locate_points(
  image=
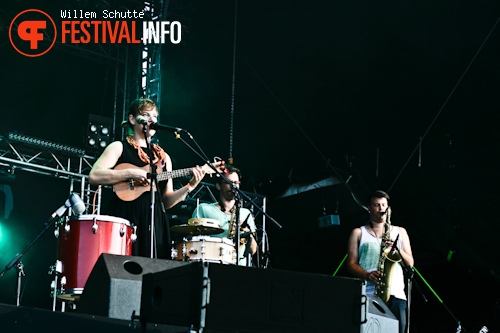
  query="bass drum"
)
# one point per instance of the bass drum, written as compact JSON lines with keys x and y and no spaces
{"x":82,"y":240}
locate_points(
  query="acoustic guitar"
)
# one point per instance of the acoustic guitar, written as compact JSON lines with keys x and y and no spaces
{"x":130,"y":190}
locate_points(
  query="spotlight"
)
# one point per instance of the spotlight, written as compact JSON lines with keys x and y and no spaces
{"x":98,"y":132}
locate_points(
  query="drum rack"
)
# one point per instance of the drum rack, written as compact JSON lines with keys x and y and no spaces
{"x":21,"y":152}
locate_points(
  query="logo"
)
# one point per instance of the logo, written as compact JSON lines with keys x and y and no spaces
{"x":32,"y":33}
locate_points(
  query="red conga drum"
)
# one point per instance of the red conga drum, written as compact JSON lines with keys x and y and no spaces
{"x":82,"y":241}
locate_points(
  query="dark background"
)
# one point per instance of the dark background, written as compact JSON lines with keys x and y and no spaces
{"x":322,"y":88}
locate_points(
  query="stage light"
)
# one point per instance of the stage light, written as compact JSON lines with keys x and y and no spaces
{"x":98,"y":132}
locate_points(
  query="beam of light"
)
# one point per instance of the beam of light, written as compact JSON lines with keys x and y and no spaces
{"x":8,"y":243}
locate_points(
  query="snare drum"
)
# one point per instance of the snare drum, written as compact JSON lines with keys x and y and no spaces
{"x":81,"y":242}
{"x":207,"y":249}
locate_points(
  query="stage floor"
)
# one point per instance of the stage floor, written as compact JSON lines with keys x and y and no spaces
{"x":21,"y":319}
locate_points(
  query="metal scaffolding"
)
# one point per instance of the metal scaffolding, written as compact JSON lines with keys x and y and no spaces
{"x":137,"y":74}
{"x":20,"y":152}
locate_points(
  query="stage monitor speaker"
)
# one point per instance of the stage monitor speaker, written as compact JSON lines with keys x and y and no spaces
{"x":376,"y":317}
{"x":114,"y":286}
{"x":228,"y":298}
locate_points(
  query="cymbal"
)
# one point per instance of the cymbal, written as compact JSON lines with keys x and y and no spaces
{"x":198,"y":226}
{"x":186,"y":229}
{"x":204,"y":221}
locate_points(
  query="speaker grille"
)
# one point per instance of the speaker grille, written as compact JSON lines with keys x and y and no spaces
{"x":114,"y":286}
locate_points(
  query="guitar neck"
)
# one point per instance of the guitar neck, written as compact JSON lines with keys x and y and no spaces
{"x":174,"y":174}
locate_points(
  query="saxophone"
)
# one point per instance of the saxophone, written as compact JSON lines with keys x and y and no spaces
{"x":231,"y":231}
{"x":387,"y":262}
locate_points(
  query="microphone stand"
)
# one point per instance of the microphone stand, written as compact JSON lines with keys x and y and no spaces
{"x":408,"y":274}
{"x":152,"y":184}
{"x":248,"y":243}
{"x":16,"y":261}
{"x":238,"y":236}
{"x":239,"y":204}
{"x":460,"y":327}
{"x":221,"y":174}
{"x":238,"y":193}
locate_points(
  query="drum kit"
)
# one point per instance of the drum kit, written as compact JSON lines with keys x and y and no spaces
{"x":197,"y":245}
{"x":82,"y":239}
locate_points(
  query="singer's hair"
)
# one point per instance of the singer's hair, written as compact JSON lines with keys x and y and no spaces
{"x":230,"y":169}
{"x":379,"y":194}
{"x":135,"y":109}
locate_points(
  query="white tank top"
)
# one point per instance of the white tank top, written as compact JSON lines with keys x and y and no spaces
{"x":369,"y":253}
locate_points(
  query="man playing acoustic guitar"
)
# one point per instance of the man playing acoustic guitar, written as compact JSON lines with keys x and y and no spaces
{"x":127,"y":162}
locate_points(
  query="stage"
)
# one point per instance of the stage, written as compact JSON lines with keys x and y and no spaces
{"x":21,"y":319}
{"x":206,"y":297}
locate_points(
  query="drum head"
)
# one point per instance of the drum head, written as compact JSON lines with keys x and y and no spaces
{"x":101,"y":218}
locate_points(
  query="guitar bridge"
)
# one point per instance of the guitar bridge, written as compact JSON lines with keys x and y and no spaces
{"x":131,"y":184}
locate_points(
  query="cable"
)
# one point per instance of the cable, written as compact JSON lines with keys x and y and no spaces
{"x":304,"y":133}
{"x":233,"y":86}
{"x":445,"y":103}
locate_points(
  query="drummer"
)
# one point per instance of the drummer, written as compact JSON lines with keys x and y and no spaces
{"x":223,"y":212}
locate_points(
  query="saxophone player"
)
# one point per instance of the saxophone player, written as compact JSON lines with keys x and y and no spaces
{"x":224,"y":212}
{"x":366,"y":247}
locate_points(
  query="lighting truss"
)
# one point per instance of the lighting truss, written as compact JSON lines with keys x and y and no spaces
{"x":43,"y":157}
{"x":45,"y":144}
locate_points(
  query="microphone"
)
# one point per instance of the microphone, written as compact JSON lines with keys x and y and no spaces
{"x":245,"y":223}
{"x":74,"y":202}
{"x":387,"y":211}
{"x":160,"y":127}
{"x":141,"y":120}
{"x":395,"y":245}
{"x":245,"y":234}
